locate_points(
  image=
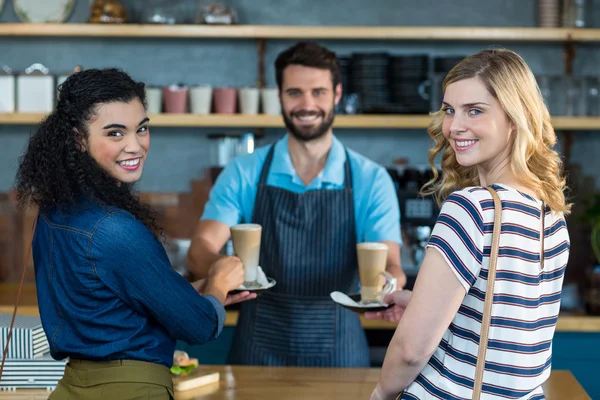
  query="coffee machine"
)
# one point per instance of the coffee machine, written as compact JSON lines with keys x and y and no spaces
{"x":418,"y":214}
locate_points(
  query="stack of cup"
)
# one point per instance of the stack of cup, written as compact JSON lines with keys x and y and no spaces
{"x":175,"y":99}
{"x":270,"y":101}
{"x":225,"y":99}
{"x":249,"y":100}
{"x":549,"y":13}
{"x":201,"y":99}
{"x":154,"y":99}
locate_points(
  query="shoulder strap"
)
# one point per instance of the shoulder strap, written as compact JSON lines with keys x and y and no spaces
{"x":542,"y":235}
{"x":264,"y":172}
{"x":12,"y":321}
{"x":347,"y":172}
{"x":489,"y":296}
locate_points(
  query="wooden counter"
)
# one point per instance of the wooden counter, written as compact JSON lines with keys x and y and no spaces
{"x":245,"y":382}
{"x":566,"y":323}
{"x":28,"y":306}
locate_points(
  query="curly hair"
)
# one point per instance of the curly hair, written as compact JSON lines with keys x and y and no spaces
{"x":534,"y":161}
{"x":54,"y":173}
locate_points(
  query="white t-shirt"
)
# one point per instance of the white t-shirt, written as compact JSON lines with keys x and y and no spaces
{"x":526,"y":298}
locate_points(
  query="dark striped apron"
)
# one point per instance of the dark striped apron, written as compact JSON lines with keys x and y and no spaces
{"x":309,"y":247}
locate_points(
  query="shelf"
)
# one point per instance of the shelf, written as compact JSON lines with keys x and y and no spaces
{"x":275,"y":121}
{"x":576,"y":123}
{"x":528,"y":34}
{"x":248,"y":121}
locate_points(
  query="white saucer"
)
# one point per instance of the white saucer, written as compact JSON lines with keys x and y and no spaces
{"x":352,"y":302}
{"x":264,"y":283}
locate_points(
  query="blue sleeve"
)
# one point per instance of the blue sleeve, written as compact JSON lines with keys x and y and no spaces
{"x":130,"y":261}
{"x":225,"y":200}
{"x":382,"y":221}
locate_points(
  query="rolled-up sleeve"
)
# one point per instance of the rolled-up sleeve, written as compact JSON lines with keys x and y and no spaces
{"x":225,"y":199}
{"x":130,"y":261}
{"x":382,"y":221}
{"x":220,"y":311}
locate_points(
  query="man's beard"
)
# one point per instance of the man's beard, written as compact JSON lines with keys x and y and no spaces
{"x":306,"y":134}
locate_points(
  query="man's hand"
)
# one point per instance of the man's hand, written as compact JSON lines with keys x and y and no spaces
{"x":199,"y":285}
{"x":239,"y":297}
{"x":399,"y":299}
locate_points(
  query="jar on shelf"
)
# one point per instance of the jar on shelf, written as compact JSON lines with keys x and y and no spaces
{"x":216,"y":13}
{"x":7,"y":90}
{"x":575,"y":13}
{"x":35,"y":90}
{"x":108,"y":12}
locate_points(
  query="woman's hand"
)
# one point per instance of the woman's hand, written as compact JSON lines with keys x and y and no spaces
{"x":225,"y":274}
{"x":200,"y":285}
{"x":399,"y":299}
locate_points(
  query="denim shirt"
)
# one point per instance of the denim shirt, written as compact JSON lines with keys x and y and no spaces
{"x":106,"y":289}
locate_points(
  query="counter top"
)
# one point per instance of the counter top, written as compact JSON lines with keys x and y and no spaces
{"x":247,"y":382}
{"x":28,"y":306}
{"x":566,"y":323}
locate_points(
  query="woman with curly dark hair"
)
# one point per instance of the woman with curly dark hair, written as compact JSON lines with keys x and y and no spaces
{"x":108,"y":297}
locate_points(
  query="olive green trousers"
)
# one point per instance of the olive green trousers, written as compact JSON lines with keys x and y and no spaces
{"x":114,"y":380}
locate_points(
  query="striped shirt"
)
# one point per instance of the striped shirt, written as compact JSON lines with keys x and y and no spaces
{"x":526,"y":298}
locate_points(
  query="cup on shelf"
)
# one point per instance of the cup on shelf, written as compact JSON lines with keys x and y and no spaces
{"x":200,"y":99}
{"x":550,"y":87}
{"x":249,"y":100}
{"x":154,"y":99}
{"x":592,"y":90}
{"x":574,"y":96}
{"x":225,"y":100}
{"x":175,"y":99}
{"x":270,"y":101}
{"x":570,"y":96}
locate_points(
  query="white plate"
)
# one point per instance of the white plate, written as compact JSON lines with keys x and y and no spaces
{"x":263,"y":281}
{"x":41,"y":11}
{"x":352,"y":303}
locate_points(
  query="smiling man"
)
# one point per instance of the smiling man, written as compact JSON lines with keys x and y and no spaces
{"x":315,"y":200}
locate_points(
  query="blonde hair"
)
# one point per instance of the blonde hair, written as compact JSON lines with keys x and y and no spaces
{"x":534,"y":161}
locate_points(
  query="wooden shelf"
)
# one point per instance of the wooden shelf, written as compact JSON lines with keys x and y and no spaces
{"x":275,"y":121}
{"x":576,"y":123}
{"x":248,"y":121}
{"x":528,"y":34}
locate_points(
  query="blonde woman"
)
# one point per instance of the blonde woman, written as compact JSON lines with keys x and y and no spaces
{"x":493,"y":130}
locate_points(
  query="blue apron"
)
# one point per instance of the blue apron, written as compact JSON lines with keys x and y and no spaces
{"x":309,"y":247}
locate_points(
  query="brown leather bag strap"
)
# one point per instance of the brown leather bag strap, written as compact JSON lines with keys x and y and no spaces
{"x":489,"y":296}
{"x":12,"y":321}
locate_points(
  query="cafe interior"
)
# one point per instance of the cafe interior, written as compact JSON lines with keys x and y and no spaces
{"x":212,"y":97}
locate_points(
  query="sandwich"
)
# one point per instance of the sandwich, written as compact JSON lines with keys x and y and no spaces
{"x":182,"y":363}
